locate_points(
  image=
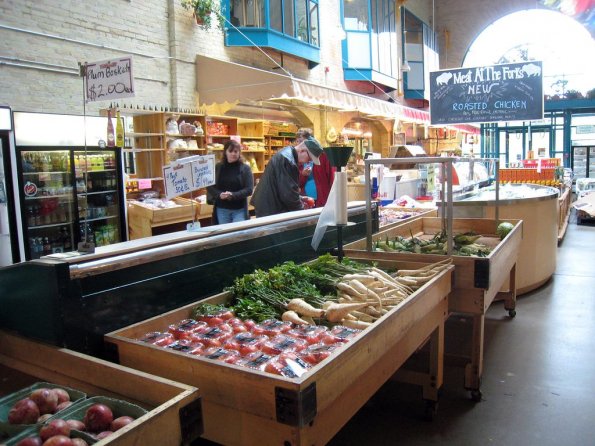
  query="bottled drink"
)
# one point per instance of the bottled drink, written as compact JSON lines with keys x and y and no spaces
{"x":111,"y":137}
{"x":66,"y":242}
{"x":47,"y":247}
{"x":119,"y":130}
{"x":31,"y":215}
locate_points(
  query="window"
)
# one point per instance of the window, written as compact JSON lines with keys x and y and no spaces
{"x":371,"y":44}
{"x":290,"y":26}
{"x":356,"y":15}
{"x":247,"y":13}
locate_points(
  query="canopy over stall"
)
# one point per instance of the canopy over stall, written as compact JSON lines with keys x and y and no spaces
{"x":220,"y":81}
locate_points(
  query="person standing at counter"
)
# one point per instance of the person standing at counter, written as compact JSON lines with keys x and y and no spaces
{"x":234,"y":183}
{"x":315,"y":181}
{"x":279,"y":190}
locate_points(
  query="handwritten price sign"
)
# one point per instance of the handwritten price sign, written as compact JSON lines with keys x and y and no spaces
{"x":109,"y":79}
{"x":189,"y":174}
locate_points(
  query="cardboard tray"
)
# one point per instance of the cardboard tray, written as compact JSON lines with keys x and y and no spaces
{"x":271,"y":409}
{"x":6,"y":403}
{"x":174,"y":410}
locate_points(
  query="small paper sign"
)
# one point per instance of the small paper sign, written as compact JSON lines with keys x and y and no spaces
{"x":109,"y":79}
{"x":188,"y":174}
{"x":144,"y":184}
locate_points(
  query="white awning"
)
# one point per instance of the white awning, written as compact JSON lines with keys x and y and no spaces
{"x":220,"y":81}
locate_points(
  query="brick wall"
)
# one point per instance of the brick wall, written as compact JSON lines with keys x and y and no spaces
{"x":41,"y":47}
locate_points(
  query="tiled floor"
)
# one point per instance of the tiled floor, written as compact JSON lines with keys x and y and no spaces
{"x":539,"y":373}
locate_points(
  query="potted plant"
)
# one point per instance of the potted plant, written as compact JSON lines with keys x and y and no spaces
{"x":203,"y":10}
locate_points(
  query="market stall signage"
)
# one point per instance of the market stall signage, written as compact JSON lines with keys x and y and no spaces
{"x":506,"y":92}
{"x":189,"y":174}
{"x":108,"y":79}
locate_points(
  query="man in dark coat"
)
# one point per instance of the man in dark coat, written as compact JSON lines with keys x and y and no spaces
{"x":279,"y":190}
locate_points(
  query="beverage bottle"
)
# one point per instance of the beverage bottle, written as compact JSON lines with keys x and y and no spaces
{"x":66,"y":239}
{"x":33,"y":247}
{"x":37,"y":214}
{"x":119,"y":130}
{"x":31,"y":215}
{"x":111,"y":137}
{"x":47,"y":247}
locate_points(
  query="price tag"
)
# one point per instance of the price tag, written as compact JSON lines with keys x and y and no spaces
{"x":188,"y":174}
{"x":144,"y":184}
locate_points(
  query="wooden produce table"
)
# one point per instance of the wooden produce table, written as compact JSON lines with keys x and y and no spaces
{"x":478,"y":281}
{"x":174,"y":415}
{"x":143,"y":220}
{"x":242,"y":406}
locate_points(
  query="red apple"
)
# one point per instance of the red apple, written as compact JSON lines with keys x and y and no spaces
{"x":42,"y":419}
{"x":120,"y":422}
{"x":102,"y":435}
{"x":98,"y":418}
{"x":58,"y":440}
{"x":30,"y":441}
{"x":53,"y":428}
{"x":24,"y":411}
{"x":61,"y":394}
{"x":63,"y":405}
{"x":76,"y":424}
{"x":46,"y":400}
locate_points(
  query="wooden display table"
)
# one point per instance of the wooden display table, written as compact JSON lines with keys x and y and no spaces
{"x":249,"y":407}
{"x":174,"y":415}
{"x":478,"y":281}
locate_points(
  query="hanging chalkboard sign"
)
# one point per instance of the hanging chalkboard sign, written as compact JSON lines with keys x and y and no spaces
{"x":506,"y":92}
{"x":188,"y":174}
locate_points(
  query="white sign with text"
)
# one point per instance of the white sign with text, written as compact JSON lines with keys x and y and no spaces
{"x":189,"y":174}
{"x":109,"y":79}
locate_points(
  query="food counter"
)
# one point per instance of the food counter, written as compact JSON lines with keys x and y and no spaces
{"x":538,"y":207}
{"x":73,"y":300}
{"x":245,"y":406}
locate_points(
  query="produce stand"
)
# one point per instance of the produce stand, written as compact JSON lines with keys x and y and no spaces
{"x":75,"y":300}
{"x":478,"y":281}
{"x":175,"y":414}
{"x":271,"y":409}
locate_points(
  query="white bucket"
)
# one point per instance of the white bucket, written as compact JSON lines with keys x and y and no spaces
{"x":386,"y":191}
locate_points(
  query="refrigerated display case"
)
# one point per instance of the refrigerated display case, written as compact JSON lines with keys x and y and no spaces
{"x":583,"y":162}
{"x":68,"y":185}
{"x":68,"y":195}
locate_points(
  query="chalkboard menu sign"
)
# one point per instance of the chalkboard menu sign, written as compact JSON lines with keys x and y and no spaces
{"x":507,"y":92}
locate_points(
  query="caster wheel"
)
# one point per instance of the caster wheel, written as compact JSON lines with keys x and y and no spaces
{"x":430,"y":410}
{"x":476,"y":396}
{"x":512,"y":313}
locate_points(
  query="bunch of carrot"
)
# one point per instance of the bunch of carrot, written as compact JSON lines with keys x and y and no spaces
{"x":364,"y":297}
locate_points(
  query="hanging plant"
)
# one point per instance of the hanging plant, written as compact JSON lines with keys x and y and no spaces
{"x":204,"y":10}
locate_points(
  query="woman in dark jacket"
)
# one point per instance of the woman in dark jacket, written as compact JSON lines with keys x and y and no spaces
{"x":233,"y":185}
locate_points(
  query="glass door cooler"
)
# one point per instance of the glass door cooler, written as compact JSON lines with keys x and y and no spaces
{"x":69,"y":195}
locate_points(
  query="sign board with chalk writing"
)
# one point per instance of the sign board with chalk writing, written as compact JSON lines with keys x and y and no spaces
{"x":189,"y":174}
{"x":505,"y":92}
{"x":108,"y":79}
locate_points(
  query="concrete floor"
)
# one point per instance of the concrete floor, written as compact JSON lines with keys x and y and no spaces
{"x":538,"y":383}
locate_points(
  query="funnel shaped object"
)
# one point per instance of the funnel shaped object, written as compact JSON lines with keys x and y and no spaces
{"x":338,"y":156}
